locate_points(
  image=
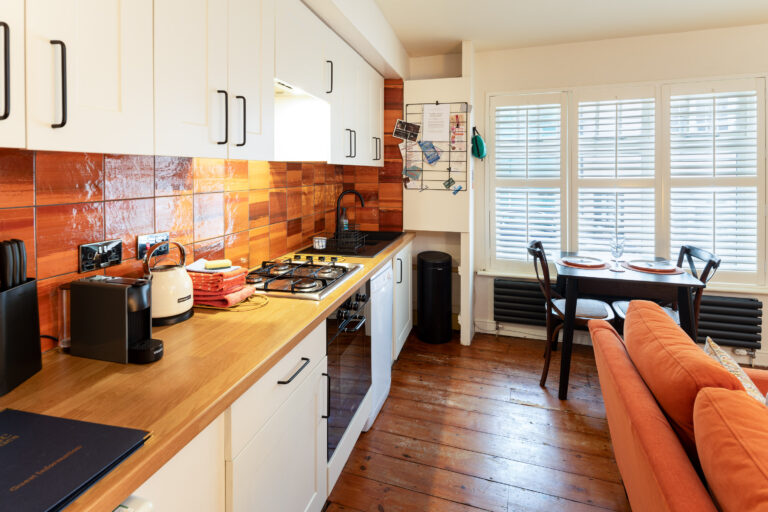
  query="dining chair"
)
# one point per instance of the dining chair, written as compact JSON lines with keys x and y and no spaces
{"x":586,"y":309}
{"x":689,"y":256}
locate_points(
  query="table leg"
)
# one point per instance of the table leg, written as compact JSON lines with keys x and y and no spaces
{"x":571,"y":294}
{"x":685,"y":310}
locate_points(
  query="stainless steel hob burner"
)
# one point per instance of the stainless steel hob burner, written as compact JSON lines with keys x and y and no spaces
{"x":300,"y":279}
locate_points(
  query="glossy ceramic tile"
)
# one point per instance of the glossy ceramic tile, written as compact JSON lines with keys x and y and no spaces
{"x":390,"y":195}
{"x":128,"y":268}
{"x":258,"y":175}
{"x":307,"y":200}
{"x":294,"y":203}
{"x":210,"y":249}
{"x":390,"y":220}
{"x":370,"y":193}
{"x":209,"y":174}
{"x":236,"y":212}
{"x":319,"y":223}
{"x":17,"y":185}
{"x":318,"y":199}
{"x":258,"y":245}
{"x":68,"y":177}
{"x":236,"y":248}
{"x":128,"y":176}
{"x":175,"y":214}
{"x":173,"y":175}
{"x":294,"y":177}
{"x":330,"y":222}
{"x":209,"y":215}
{"x":128,"y":219}
{"x":293,"y":231}
{"x":278,"y":206}
{"x":278,"y":174}
{"x":367,"y":218}
{"x":258,"y":208}
{"x":366,"y":175}
{"x":237,"y":175}
{"x":307,"y":229}
{"x":20,"y":223}
{"x":307,"y":174}
{"x":278,"y":239}
{"x":60,"y":230}
{"x":392,"y":172}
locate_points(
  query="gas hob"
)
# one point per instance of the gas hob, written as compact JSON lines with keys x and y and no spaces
{"x":300,"y":279}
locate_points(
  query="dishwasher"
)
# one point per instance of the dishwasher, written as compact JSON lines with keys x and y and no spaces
{"x":382,"y":303}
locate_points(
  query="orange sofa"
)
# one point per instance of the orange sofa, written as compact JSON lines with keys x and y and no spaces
{"x":653,"y":449}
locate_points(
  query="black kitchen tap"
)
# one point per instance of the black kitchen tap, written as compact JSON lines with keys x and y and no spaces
{"x":338,"y":209}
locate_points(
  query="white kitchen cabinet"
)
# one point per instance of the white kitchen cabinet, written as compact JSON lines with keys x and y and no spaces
{"x":89,"y":75}
{"x":375,"y":105}
{"x":251,"y":79}
{"x":209,"y":55}
{"x":283,"y":467}
{"x":302,"y":46}
{"x":12,"y":117}
{"x":194,"y":479}
{"x":403,"y":317}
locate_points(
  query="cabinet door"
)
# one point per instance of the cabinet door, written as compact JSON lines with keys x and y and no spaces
{"x":403,"y":317}
{"x":12,"y":126}
{"x":375,"y":117}
{"x":89,"y":63}
{"x":251,"y":79}
{"x":300,"y":41}
{"x":343,"y":101}
{"x":194,"y":479}
{"x":284,"y":466}
{"x":190,"y":70}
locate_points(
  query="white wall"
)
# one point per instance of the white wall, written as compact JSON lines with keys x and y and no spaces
{"x":436,"y":66}
{"x":688,"y":55}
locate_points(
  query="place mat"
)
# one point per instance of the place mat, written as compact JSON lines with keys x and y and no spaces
{"x":585,"y":262}
{"x":663,"y":271}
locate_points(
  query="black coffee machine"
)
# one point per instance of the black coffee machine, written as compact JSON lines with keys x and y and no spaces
{"x":111,"y":320}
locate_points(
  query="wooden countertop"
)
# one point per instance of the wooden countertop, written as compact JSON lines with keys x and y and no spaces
{"x":210,"y":360}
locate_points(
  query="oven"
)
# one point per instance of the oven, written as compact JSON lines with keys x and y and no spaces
{"x":349,"y":362}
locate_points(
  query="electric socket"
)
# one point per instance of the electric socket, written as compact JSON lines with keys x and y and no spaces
{"x":100,"y":255}
{"x":144,"y":242}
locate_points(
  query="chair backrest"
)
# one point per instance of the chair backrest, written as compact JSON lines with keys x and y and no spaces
{"x":536,"y":250}
{"x":688,"y":257}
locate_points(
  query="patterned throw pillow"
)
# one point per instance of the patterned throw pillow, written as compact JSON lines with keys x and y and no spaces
{"x":714,"y":351}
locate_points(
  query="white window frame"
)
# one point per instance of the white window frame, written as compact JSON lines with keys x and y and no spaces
{"x":662,"y":181}
{"x":521,"y":99}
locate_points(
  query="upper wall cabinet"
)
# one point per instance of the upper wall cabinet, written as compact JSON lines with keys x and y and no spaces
{"x":89,"y":75}
{"x":12,"y":127}
{"x":213,"y":78}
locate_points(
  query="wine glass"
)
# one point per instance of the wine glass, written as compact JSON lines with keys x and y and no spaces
{"x":617,"y":249}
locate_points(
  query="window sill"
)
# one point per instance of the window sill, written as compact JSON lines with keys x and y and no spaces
{"x":744,"y":289}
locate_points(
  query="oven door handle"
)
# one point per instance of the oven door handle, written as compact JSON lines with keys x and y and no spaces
{"x":360,"y":323}
{"x":296,"y":373}
{"x":328,"y":398}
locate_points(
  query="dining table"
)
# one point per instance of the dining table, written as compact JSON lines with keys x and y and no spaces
{"x":629,"y":284}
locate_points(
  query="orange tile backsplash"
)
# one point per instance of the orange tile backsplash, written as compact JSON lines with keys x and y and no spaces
{"x":247,"y":211}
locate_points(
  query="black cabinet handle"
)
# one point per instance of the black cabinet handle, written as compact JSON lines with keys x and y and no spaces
{"x":328,"y":398}
{"x":7,"y":65}
{"x":226,"y":116}
{"x":380,"y":155}
{"x":355,"y":133}
{"x":401,"y":271}
{"x":331,"y":89}
{"x":63,"y":46}
{"x":306,"y":362}
{"x":245,"y":126}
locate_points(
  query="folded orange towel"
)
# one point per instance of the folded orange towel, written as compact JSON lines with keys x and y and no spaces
{"x":226,"y":301}
{"x":219,"y":281}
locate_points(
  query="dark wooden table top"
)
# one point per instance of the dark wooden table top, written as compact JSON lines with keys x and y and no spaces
{"x":628,"y":276}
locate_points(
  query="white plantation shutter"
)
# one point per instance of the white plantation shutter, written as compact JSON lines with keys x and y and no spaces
{"x":721,"y":220}
{"x":617,"y":138}
{"x":714,"y":134}
{"x":527,"y":157}
{"x":523,"y":215}
{"x":629,"y":212}
{"x":527,"y":141}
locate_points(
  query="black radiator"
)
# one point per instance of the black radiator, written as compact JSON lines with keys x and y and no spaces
{"x":730,"y":321}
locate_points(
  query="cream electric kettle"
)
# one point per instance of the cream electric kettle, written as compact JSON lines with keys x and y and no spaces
{"x":171,"y":288}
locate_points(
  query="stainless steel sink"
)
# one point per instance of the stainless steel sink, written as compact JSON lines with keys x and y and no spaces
{"x":375,"y":242}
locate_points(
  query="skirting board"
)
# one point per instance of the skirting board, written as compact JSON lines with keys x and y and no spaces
{"x":524,"y":331}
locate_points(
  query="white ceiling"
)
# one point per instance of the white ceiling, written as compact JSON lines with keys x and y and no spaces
{"x":434,"y":27}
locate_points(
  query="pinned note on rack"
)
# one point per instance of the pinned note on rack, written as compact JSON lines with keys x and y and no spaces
{"x":436,"y":121}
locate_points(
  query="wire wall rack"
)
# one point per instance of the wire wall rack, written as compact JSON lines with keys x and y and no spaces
{"x":449,"y":173}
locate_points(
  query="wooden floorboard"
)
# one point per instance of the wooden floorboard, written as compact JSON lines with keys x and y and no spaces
{"x":469,"y":428}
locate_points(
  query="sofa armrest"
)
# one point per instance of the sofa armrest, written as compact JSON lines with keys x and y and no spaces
{"x":759,"y":377}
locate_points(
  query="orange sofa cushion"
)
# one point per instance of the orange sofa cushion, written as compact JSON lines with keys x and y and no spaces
{"x":759,"y":377}
{"x":732,"y":442}
{"x":673,"y":367}
{"x":657,"y":473}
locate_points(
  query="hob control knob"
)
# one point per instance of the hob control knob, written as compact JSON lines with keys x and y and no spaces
{"x":361,"y":297}
{"x":342,"y":314}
